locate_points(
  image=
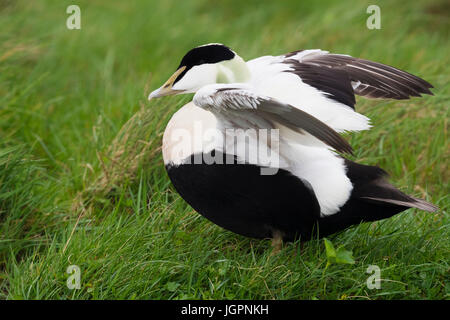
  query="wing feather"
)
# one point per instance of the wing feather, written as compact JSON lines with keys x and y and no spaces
{"x":223,"y":98}
{"x":347,"y":76}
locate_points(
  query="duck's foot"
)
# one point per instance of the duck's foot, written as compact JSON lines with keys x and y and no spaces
{"x":277,"y":242}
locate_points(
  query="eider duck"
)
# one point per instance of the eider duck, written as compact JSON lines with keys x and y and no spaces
{"x":255,"y":151}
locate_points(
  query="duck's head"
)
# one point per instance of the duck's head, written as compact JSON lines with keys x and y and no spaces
{"x":207,"y":64}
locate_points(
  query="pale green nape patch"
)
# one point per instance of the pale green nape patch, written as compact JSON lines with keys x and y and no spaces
{"x":234,"y":70}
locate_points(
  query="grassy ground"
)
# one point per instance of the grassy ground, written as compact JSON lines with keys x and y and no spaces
{"x":72,"y":193}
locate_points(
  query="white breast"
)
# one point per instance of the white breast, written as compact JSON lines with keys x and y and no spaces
{"x":188,"y":131}
{"x":193,"y":130}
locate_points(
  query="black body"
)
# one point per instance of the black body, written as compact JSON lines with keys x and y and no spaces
{"x":238,"y":198}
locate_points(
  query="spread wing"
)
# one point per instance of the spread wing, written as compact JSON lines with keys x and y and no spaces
{"x":342,"y":76}
{"x":236,"y":98}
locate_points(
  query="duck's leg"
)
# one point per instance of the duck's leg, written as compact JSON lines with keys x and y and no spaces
{"x":277,"y":241}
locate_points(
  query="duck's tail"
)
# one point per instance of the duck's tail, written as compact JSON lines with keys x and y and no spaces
{"x":373,"y":198}
{"x":411,"y":203}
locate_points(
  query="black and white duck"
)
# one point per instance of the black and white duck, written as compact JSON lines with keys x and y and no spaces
{"x":256,"y":150}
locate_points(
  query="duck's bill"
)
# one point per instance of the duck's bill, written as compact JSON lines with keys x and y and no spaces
{"x":166,"y":88}
{"x":162,"y":92}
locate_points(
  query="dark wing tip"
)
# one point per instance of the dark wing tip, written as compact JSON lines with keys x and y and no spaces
{"x":428,"y":91}
{"x":400,"y":83}
{"x":378,"y":81}
{"x":297,"y":119}
{"x":348,"y":148}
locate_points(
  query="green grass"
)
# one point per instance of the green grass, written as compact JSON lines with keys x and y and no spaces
{"x":71,"y":192}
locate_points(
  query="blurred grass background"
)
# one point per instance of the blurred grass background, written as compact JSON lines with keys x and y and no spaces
{"x":75,"y":189}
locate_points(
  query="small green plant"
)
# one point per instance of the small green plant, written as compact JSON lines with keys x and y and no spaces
{"x":339,"y":255}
